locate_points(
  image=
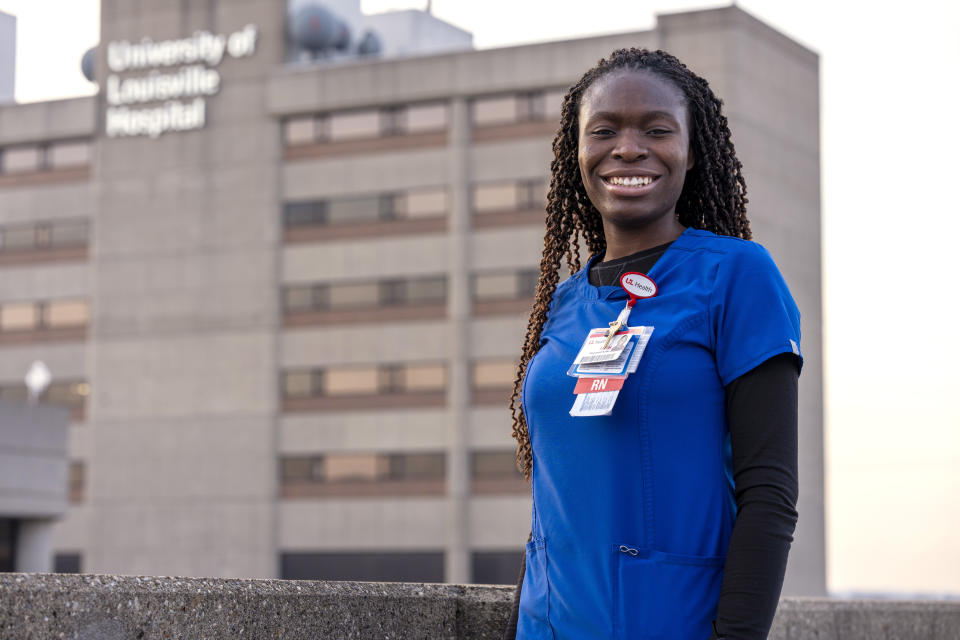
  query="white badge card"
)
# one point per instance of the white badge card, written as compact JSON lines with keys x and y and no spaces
{"x":616,"y":367}
{"x":594,"y":404}
{"x":597,"y":348}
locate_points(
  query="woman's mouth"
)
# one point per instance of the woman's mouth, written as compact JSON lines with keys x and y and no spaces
{"x":629,"y":185}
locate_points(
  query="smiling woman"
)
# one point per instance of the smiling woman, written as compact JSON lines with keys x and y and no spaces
{"x":634,"y":153}
{"x":664,"y":499}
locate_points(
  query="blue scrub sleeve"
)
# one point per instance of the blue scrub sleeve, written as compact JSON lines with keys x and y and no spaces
{"x":753,"y":314}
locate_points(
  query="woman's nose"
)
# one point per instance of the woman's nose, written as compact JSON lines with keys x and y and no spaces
{"x":630,"y":147}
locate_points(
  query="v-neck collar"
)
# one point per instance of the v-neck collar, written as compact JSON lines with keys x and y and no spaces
{"x":614,"y":292}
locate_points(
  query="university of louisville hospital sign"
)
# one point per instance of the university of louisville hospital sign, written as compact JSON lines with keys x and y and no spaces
{"x":182,"y":91}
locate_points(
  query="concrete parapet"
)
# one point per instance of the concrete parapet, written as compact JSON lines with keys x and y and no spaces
{"x":101,"y":607}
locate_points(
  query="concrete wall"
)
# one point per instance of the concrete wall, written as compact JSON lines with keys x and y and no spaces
{"x":185,"y":318}
{"x":103,"y":607}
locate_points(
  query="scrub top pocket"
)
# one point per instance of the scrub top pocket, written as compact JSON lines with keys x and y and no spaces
{"x":664,"y":596}
{"x":533,"y":623}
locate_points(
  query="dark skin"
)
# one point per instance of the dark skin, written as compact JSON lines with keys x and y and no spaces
{"x":634,"y":152}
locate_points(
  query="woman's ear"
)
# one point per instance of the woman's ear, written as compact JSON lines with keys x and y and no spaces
{"x":691,"y":160}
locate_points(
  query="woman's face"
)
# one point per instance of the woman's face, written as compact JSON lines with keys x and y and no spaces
{"x":634,"y":148}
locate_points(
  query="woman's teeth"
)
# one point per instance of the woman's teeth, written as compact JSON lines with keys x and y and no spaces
{"x":631,"y":181}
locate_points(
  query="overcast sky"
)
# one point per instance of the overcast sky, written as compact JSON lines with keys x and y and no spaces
{"x":889,"y":168}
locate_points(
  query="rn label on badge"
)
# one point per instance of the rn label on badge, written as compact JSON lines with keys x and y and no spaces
{"x":638,"y":285}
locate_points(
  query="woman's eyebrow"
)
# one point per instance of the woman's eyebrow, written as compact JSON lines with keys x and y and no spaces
{"x":615,"y":116}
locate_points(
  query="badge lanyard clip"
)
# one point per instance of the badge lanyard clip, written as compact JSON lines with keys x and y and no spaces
{"x":637,"y":285}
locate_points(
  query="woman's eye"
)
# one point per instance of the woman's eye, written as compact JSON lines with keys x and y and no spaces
{"x":659,"y":132}
{"x":602,"y":132}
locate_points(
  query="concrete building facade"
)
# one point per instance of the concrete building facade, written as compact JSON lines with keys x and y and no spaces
{"x":34,"y":484}
{"x":284,"y":305}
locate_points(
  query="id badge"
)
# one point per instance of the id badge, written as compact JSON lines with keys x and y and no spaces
{"x":608,"y":356}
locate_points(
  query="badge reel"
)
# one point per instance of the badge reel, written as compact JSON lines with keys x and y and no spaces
{"x":609,"y":355}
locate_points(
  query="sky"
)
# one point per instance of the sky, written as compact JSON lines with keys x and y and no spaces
{"x":889,"y":92}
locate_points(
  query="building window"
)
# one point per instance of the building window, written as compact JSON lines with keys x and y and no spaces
{"x":57,"y":314}
{"x":352,"y":296}
{"x":351,"y":381}
{"x":68,"y":562}
{"x":77,"y":481}
{"x":24,"y":159}
{"x":495,"y":110}
{"x":426,"y":117}
{"x":494,"y":197}
{"x":494,"y":465}
{"x":365,"y":124}
{"x":300,"y":130}
{"x":62,"y":155}
{"x":420,"y":203}
{"x":505,"y":285}
{"x":19,"y":316}
{"x":365,"y":380}
{"x":407,"y":205}
{"x":44,"y":315}
{"x":66,"y":154}
{"x":72,"y":394}
{"x":522,"y":107}
{"x":351,"y":125}
{"x":43,"y":236}
{"x":496,"y":473}
{"x":492,"y":380}
{"x":496,"y":567}
{"x":8,"y":542}
{"x":366,"y":295}
{"x":363,"y":467}
{"x":362,"y":474}
{"x":385,"y":566}
{"x":493,"y":374}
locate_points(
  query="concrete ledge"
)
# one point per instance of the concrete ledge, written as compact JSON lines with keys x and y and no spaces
{"x":100,"y":607}
{"x":94,"y":607}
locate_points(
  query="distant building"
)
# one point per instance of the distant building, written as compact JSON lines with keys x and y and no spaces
{"x":8,"y":56}
{"x":283,"y":291}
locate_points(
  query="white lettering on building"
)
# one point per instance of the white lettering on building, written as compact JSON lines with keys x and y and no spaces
{"x":182,"y":91}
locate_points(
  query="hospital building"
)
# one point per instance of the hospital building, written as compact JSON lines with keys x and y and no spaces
{"x":279,"y":268}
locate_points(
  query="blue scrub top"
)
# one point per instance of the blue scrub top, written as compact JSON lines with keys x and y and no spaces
{"x":632,"y":512}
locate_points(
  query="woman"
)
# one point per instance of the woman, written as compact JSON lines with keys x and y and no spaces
{"x":672,"y":516}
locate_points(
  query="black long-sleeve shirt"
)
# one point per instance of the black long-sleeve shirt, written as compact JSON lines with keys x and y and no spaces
{"x":762,"y":414}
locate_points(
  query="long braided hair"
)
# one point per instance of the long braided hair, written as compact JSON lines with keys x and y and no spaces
{"x":714,"y":195}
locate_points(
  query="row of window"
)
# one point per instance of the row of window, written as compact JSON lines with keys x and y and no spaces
{"x":498,"y":285}
{"x":46,"y":156}
{"x":68,"y":394}
{"x":35,"y":236}
{"x":41,"y":315}
{"x":489,"y":197}
{"x":408,"y":205}
{"x":392,"y":467}
{"x":493,"y":374}
{"x":426,"y":117}
{"x":358,"y":124}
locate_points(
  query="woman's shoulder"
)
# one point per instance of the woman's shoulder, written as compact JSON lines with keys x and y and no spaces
{"x":735,"y":253}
